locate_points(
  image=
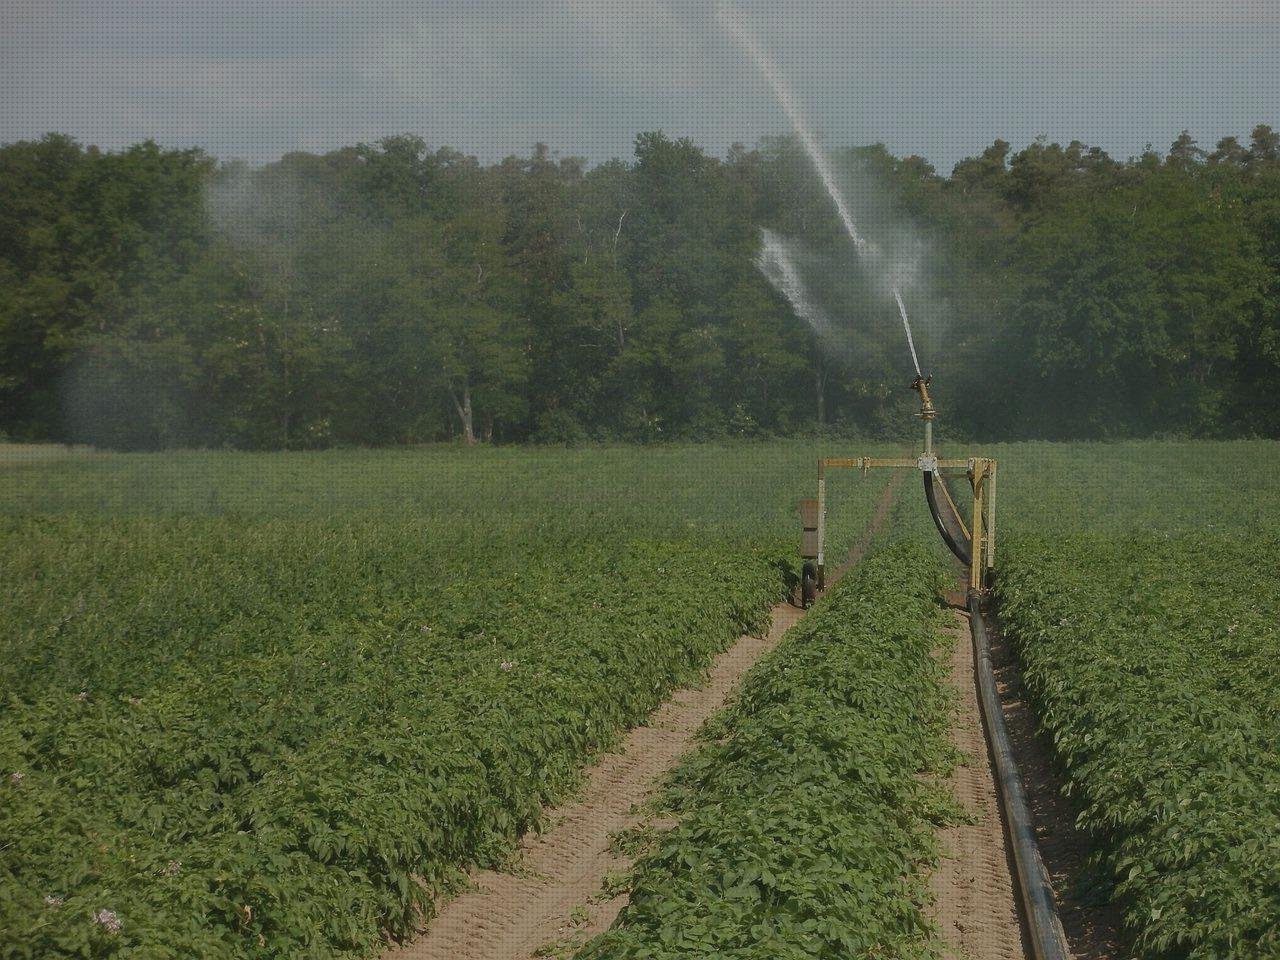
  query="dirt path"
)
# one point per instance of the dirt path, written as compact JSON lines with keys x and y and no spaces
{"x":975,"y":902}
{"x":553,"y":903}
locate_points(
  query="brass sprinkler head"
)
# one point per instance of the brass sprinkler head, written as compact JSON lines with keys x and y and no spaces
{"x":921,"y":386}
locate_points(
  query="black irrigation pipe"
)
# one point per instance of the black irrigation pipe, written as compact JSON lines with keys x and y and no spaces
{"x":1048,"y":941}
{"x":948,"y":524}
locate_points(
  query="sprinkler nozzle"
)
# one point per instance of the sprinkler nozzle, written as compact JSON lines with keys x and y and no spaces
{"x":921,"y":386}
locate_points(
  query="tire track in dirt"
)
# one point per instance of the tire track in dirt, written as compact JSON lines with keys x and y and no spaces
{"x":553,"y":898}
{"x":975,"y":904}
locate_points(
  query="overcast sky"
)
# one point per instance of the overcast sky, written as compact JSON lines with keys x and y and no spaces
{"x":941,"y":78}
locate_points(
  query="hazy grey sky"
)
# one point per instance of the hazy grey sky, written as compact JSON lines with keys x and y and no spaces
{"x":941,"y":78}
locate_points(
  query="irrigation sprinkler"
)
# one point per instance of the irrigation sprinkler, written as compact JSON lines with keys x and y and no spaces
{"x":974,"y":543}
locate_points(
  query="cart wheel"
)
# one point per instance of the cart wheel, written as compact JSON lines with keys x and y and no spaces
{"x":808,"y":585}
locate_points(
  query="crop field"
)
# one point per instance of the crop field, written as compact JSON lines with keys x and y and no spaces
{"x":275,"y":704}
{"x":265,"y":705}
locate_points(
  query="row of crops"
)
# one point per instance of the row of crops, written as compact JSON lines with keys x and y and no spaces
{"x":1154,"y":662}
{"x":805,"y":824}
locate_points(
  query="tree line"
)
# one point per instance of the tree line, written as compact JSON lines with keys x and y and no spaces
{"x":393,"y":293}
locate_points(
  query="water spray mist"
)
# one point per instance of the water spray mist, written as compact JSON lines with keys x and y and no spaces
{"x":729,"y":17}
{"x":780,"y":270}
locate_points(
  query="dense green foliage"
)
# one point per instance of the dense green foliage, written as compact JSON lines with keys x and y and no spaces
{"x":1155,"y":664}
{"x":389,"y":293}
{"x":806,"y":821}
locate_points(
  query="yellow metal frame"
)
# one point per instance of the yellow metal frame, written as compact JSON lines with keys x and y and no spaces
{"x":981,"y":529}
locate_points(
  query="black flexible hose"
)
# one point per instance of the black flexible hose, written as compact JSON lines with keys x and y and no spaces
{"x":1048,"y":942}
{"x":948,"y":525}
